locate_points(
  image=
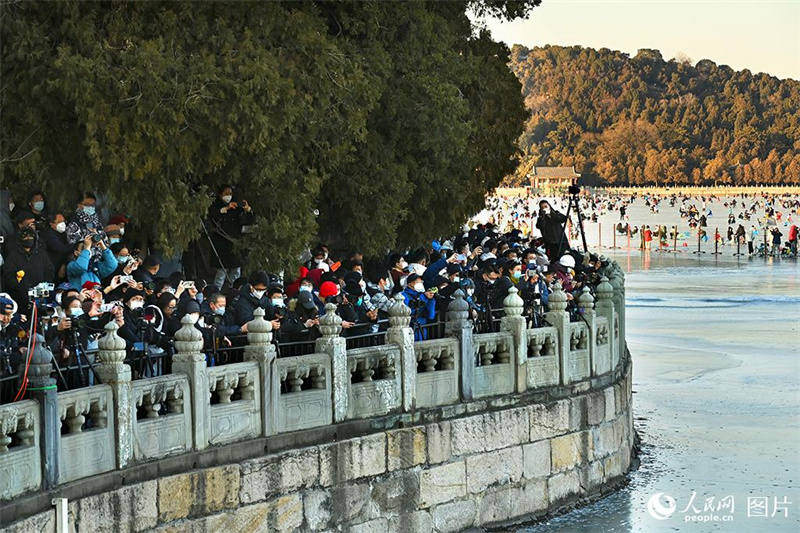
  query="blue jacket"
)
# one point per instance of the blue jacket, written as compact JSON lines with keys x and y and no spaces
{"x":83,"y":269}
{"x":420,"y":313}
{"x":429,"y":276}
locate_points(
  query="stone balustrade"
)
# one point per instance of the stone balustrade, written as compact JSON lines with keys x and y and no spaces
{"x":57,"y":438}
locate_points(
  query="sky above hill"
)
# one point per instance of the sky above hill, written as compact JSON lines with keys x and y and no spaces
{"x":759,"y":35}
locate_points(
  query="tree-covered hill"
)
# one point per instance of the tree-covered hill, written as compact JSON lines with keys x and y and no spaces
{"x":643,"y":120}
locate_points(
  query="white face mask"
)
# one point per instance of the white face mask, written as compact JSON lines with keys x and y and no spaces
{"x":456,"y":279}
{"x":470,"y":292}
{"x":61,"y":227}
{"x":277,"y":302}
{"x":258,"y":294}
{"x":403,"y":264}
{"x":133,"y":304}
{"x":490,"y":282}
{"x":122,"y":230}
{"x":419,"y":287}
{"x":305,"y":288}
{"x":11,"y":206}
{"x":58,"y":298}
{"x":227,"y":198}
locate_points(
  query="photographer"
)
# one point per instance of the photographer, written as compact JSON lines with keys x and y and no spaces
{"x":302,"y":320}
{"x":227,"y":218}
{"x":139,"y":332}
{"x":89,"y":266}
{"x":11,"y":350}
{"x":26,"y":266}
{"x":551,"y":224}
{"x":422,"y":302}
{"x":534,"y":293}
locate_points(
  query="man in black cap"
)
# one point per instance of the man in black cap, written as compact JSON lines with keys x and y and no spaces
{"x":253,"y":295}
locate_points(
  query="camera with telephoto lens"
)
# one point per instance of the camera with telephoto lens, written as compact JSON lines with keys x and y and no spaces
{"x":99,"y":236}
{"x":77,"y":322}
{"x":212,"y":319}
{"x":149,"y":285}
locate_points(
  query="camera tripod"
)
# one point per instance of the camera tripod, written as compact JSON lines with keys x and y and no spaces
{"x":573,"y":202}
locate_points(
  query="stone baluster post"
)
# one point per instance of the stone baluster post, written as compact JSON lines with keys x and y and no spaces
{"x":331,"y":343}
{"x":261,"y":350}
{"x":586,"y":301}
{"x":619,"y":312}
{"x":189,"y":359}
{"x":514,"y":322}
{"x":114,"y":372}
{"x":559,"y":318}
{"x":43,"y":389}
{"x":459,"y":325}
{"x":605,"y":308}
{"x":401,"y":334}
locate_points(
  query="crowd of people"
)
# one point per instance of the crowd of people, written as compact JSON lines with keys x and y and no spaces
{"x":67,"y":275}
{"x":760,"y":224}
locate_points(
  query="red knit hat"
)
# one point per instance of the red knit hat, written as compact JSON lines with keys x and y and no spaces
{"x":328,"y":289}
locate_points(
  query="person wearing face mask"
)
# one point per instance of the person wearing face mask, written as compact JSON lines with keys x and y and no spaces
{"x":467,"y":287}
{"x":84,"y":221}
{"x":217,"y":304}
{"x":253,"y":295}
{"x":26,"y":266}
{"x":484,"y":285}
{"x":511,"y":275}
{"x":140,"y":332}
{"x":379,"y":288}
{"x":88,"y":265}
{"x":227,"y":217}
{"x":551,"y":223}
{"x":398,"y":270}
{"x":353,"y":312}
{"x":36,"y":204}
{"x":423,"y":307}
{"x":59,"y":249}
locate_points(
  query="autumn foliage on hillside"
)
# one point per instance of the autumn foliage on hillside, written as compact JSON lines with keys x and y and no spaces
{"x":643,"y":120}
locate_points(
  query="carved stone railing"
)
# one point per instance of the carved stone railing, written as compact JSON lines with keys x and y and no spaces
{"x":20,"y":452}
{"x":88,"y":443}
{"x":579,"y":363}
{"x":495,"y":364}
{"x":234,"y":403}
{"x":163,"y":423}
{"x":437,"y":371}
{"x":375,"y":387}
{"x":57,"y":438}
{"x":542,"y":365}
{"x":302,"y":393}
{"x":602,"y":344}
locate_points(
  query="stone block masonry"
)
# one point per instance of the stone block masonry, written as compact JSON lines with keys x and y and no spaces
{"x":488,"y":466}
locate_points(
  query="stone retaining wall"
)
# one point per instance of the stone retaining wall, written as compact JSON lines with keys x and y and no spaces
{"x":481,"y":463}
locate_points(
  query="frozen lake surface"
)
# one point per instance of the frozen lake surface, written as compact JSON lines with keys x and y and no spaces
{"x":716,"y":378}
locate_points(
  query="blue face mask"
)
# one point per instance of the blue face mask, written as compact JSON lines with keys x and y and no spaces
{"x":123,"y":259}
{"x":75,"y":311}
{"x":219,"y":311}
{"x":38,"y":206}
{"x":113,"y":240}
{"x":199,"y":297}
{"x":89,"y":210}
{"x":516,"y":276}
